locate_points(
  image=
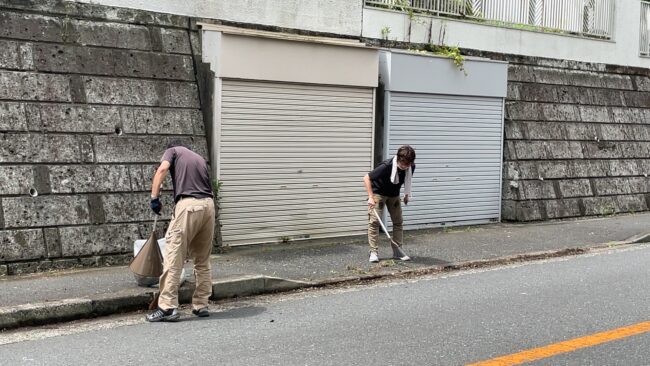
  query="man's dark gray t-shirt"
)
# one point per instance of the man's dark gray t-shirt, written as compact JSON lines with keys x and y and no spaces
{"x":189,"y":173}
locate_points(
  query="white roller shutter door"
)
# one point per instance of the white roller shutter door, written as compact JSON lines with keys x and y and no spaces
{"x":458,"y":142}
{"x":292,"y":159}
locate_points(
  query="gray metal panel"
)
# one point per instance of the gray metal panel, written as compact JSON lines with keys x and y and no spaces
{"x":459,"y":152}
{"x":416,"y":73}
{"x":292,"y":159}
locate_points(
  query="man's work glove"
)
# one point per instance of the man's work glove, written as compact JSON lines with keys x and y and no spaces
{"x":156,"y":206}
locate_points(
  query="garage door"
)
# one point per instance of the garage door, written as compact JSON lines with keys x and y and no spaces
{"x":458,"y":141}
{"x":291,"y":160}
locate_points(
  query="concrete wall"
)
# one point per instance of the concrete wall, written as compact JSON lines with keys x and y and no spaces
{"x":329,"y":16}
{"x":89,"y":97}
{"x":623,"y":49}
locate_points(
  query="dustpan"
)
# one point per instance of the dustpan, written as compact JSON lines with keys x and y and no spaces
{"x":147,"y":264}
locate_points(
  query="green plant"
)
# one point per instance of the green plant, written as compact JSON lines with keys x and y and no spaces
{"x":216,"y":187}
{"x":385,"y":32}
{"x":285,"y":239}
{"x":451,"y":52}
{"x":607,"y":209}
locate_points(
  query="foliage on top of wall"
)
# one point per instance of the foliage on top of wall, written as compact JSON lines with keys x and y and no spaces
{"x":452,"y":52}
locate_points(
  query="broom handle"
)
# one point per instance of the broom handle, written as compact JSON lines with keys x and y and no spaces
{"x":155,"y":221}
{"x":383,"y":226}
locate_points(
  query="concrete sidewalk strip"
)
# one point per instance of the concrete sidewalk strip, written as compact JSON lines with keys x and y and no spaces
{"x":88,"y":293}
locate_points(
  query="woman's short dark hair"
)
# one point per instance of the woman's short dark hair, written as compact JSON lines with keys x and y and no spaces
{"x":406,"y":154}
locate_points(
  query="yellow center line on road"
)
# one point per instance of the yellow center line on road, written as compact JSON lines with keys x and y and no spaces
{"x":566,"y":346}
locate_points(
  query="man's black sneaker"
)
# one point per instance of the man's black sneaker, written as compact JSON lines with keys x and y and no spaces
{"x":161,"y":315}
{"x":201,"y":313}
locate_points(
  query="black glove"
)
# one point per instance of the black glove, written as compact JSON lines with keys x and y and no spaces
{"x":156,"y":206}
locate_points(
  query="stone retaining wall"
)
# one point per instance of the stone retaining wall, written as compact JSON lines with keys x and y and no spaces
{"x":577,"y":139}
{"x":89,"y":97}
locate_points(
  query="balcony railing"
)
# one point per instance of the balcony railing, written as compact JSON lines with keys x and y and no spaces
{"x":645,"y":28}
{"x":590,"y":18}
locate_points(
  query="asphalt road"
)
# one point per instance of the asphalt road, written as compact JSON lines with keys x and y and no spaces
{"x":455,"y":319}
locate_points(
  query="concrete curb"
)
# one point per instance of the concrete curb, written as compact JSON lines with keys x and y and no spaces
{"x":12,"y":317}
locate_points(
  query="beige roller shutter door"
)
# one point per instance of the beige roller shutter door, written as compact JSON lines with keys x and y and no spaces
{"x":291,"y":160}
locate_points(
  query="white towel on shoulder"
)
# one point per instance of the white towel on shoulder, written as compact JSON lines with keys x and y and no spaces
{"x":408,"y":176}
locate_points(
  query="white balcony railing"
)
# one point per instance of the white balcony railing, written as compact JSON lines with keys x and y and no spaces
{"x":591,"y":18}
{"x":645,"y":28}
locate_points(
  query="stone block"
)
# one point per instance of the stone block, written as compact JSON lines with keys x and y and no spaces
{"x":618,"y":168}
{"x":45,"y":211}
{"x":633,"y":149}
{"x":588,"y":168}
{"x":536,"y":189}
{"x":16,"y":55}
{"x":537,"y":92}
{"x":613,"y":132}
{"x":508,"y":210}
{"x":633,"y":203}
{"x":41,"y":148}
{"x":133,"y":207}
{"x":531,"y":150}
{"x":176,"y":41}
{"x":529,"y":211}
{"x":523,"y":111}
{"x":528,"y":169}
{"x":148,"y":149}
{"x":642,"y":83}
{"x":509,"y":151}
{"x":77,"y":118}
{"x":97,"y":11}
{"x":612,"y":186}
{"x":571,"y":95}
{"x":18,"y":245}
{"x":510,"y":190}
{"x":590,"y":113}
{"x":564,"y":150}
{"x":545,"y":131}
{"x":511,"y":170}
{"x":575,"y":188}
{"x":600,"y":205}
{"x":113,"y":35}
{"x":636,"y":99}
{"x":52,"y":242}
{"x":115,"y":149}
{"x":31,"y":27}
{"x":608,"y":97}
{"x":15,"y":179}
{"x":13,"y":117}
{"x":581,"y":131}
{"x":600,"y":150}
{"x":96,"y":240}
{"x":162,"y":121}
{"x":550,"y":170}
{"x":141,"y":92}
{"x":560,"y":112}
{"x":17,"y":85}
{"x":512,"y":92}
{"x":113,"y":62}
{"x":195,"y":42}
{"x":90,"y":178}
{"x":556,"y":209}
{"x":627,"y":115}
